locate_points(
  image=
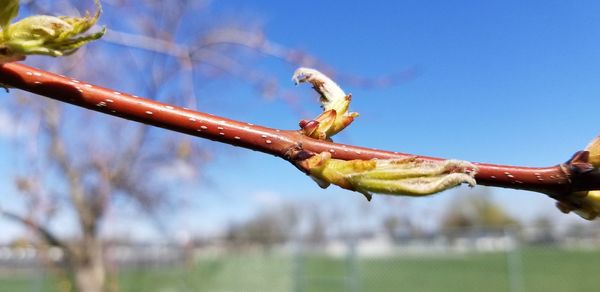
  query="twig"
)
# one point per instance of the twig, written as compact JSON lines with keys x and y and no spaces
{"x":39,"y":229}
{"x":558,"y":181}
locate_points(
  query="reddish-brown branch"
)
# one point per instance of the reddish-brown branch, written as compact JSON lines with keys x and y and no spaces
{"x":557,"y":181}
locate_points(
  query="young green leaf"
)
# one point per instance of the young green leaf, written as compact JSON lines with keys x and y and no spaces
{"x":47,"y":35}
{"x":586,"y":204}
{"x":409,"y":177}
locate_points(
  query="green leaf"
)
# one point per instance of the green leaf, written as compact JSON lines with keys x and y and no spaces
{"x":410,"y":177}
{"x":586,"y":204}
{"x":8,"y":11}
{"x":48,"y":35}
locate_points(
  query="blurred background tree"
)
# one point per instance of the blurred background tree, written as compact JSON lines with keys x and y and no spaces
{"x":266,"y":229}
{"x":79,"y":166}
{"x":476,"y":209}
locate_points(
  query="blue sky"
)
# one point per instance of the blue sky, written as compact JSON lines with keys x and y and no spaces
{"x":508,"y":82}
{"x":502,"y":82}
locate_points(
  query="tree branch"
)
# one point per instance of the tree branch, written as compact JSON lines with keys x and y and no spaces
{"x":42,"y":231}
{"x":87,"y":212}
{"x":558,"y":181}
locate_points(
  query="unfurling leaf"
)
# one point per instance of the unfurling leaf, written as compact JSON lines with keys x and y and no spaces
{"x":46,"y":35}
{"x":409,"y":177}
{"x":594,"y":149}
{"x":586,"y":204}
{"x":334,"y":101}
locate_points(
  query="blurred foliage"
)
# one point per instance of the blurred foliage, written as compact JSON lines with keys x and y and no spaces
{"x":476,"y":209}
{"x":266,"y":228}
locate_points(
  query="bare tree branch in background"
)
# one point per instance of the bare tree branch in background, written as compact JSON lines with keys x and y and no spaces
{"x":80,"y":167}
{"x":40,"y":230}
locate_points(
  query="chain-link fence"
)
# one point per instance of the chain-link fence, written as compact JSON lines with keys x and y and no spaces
{"x":464,"y":260}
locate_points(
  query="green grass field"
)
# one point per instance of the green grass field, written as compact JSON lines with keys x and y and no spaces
{"x":542,"y":269}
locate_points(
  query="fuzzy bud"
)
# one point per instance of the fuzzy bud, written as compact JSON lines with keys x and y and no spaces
{"x":334,"y":101}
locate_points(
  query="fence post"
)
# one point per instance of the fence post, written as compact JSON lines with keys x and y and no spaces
{"x":514,"y":261}
{"x":352,"y":271}
{"x":37,"y":285}
{"x":298,"y":268}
